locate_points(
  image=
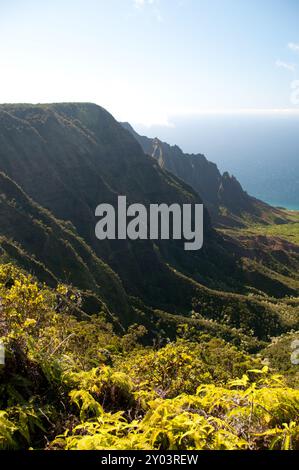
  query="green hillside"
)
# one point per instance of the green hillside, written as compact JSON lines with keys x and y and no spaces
{"x":288,"y":231}
{"x":69,"y":158}
{"x":136,"y":344}
{"x":70,"y":384}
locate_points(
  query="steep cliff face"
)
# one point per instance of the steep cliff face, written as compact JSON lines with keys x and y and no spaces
{"x":60,"y":161}
{"x":71,"y":157}
{"x":53,"y":251}
{"x":229,"y":205}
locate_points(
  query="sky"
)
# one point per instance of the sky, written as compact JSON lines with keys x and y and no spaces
{"x":147,"y":61}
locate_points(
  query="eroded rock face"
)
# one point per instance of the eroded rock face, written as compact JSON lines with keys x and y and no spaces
{"x":229,"y":205}
{"x":62,"y":160}
{"x":71,"y":157}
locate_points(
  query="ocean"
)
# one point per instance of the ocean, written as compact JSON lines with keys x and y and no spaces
{"x":261,"y":151}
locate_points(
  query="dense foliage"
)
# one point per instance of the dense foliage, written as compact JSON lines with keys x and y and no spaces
{"x":59,"y":161}
{"x":69,"y":383}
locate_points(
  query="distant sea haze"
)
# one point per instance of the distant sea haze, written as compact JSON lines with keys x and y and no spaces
{"x":286,"y":205}
{"x":261,"y":151}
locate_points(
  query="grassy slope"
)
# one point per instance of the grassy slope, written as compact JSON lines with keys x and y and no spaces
{"x":288,"y":230}
{"x":52,"y":250}
{"x":68,"y":158}
{"x":75,"y":385}
{"x":271,"y":250}
{"x":278,"y":353}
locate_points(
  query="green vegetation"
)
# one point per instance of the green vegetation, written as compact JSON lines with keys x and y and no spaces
{"x":74,"y":384}
{"x":278,"y":355}
{"x":137,"y":345}
{"x":289,"y":230}
{"x":77,"y":155}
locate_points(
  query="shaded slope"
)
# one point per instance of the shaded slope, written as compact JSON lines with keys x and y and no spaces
{"x":71,"y":157}
{"x":52,"y":251}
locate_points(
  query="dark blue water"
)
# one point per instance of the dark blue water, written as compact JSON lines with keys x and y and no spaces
{"x":286,"y":205}
{"x":261,"y":151}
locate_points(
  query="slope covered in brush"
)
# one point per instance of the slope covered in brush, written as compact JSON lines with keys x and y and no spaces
{"x":53,"y":251}
{"x":69,"y":158}
{"x":75,"y":385}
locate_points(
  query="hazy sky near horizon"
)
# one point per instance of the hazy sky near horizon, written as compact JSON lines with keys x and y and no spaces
{"x":148,"y":60}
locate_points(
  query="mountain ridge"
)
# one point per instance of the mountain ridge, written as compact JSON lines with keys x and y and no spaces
{"x":67,"y":158}
{"x":229,"y":205}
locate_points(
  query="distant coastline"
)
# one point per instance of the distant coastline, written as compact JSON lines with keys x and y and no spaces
{"x":284,"y":205}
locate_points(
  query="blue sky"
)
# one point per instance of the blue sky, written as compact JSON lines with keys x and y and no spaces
{"x":149,"y":60}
